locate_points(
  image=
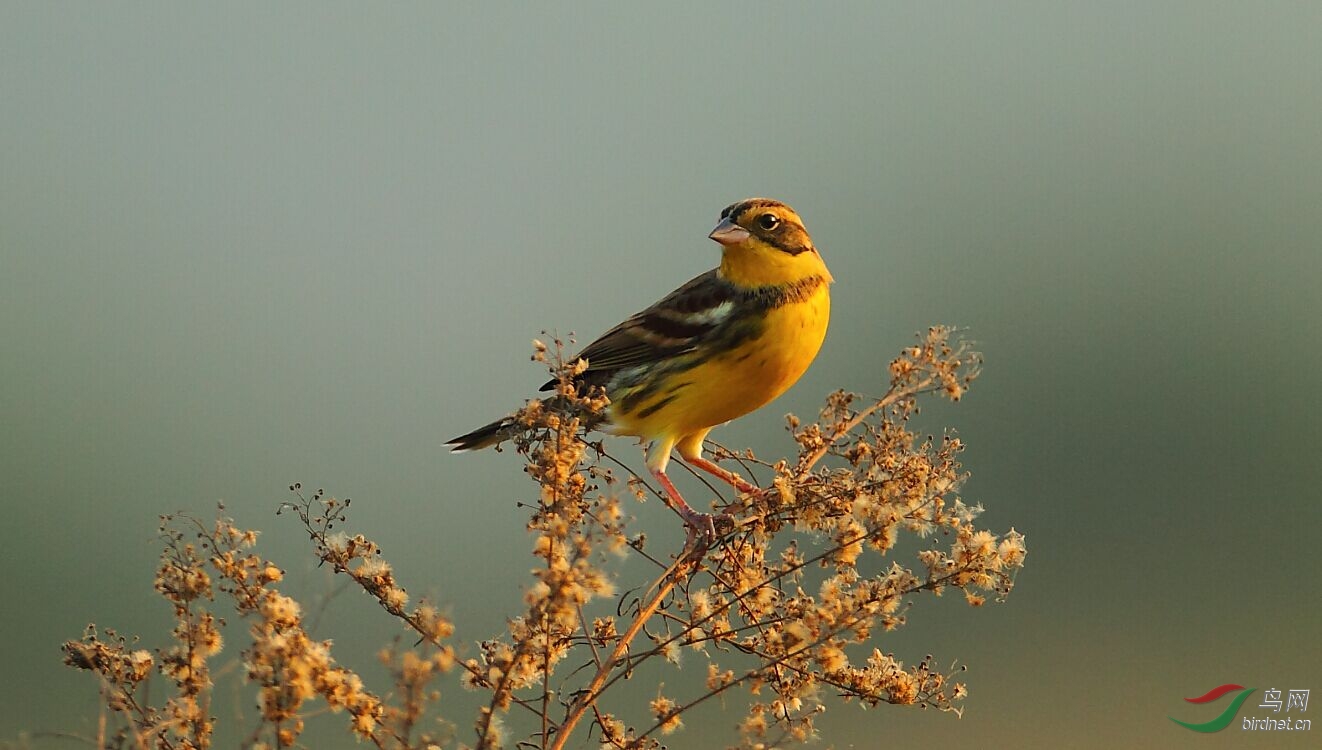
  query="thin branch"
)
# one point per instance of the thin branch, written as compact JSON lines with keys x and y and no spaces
{"x":589,"y":696}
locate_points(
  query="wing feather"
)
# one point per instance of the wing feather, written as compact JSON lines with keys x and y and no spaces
{"x":675,"y":325}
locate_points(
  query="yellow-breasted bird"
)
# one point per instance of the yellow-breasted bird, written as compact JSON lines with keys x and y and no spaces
{"x":718,"y":347}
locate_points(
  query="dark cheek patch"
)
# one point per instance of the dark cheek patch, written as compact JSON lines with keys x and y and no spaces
{"x":793,"y":243}
{"x":787,"y":238}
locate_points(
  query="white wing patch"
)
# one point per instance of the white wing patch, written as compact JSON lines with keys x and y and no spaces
{"x":712,"y":315}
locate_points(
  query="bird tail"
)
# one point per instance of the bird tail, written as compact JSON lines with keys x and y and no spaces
{"x":485,"y":436}
{"x":507,"y":427}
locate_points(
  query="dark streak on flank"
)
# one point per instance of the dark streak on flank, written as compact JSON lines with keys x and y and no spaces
{"x":646,"y":384}
{"x":649,"y":411}
{"x":677,"y":388}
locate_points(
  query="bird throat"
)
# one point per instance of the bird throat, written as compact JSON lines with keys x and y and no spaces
{"x":746,"y":265}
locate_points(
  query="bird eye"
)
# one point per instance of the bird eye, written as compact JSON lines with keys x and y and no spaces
{"x":768,"y":221}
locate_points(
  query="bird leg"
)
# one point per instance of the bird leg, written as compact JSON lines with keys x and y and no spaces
{"x":690,"y":449}
{"x":729,"y":477}
{"x":702,"y":523}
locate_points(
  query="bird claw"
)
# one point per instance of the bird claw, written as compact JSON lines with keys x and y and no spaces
{"x":704,"y":528}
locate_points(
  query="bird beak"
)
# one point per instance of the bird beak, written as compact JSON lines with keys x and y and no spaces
{"x":729,"y":233}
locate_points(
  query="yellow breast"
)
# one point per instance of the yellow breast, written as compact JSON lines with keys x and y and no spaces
{"x":730,"y":384}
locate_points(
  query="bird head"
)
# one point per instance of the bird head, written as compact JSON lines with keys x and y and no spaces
{"x":763,"y":242}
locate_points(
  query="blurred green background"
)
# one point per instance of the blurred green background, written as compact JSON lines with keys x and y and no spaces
{"x":248,"y":245}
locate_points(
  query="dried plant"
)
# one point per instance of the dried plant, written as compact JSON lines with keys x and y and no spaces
{"x":784,"y":605}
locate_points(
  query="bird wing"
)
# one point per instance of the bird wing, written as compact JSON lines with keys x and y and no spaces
{"x":675,"y":325}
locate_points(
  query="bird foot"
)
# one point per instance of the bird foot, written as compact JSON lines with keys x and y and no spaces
{"x":705,"y":527}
